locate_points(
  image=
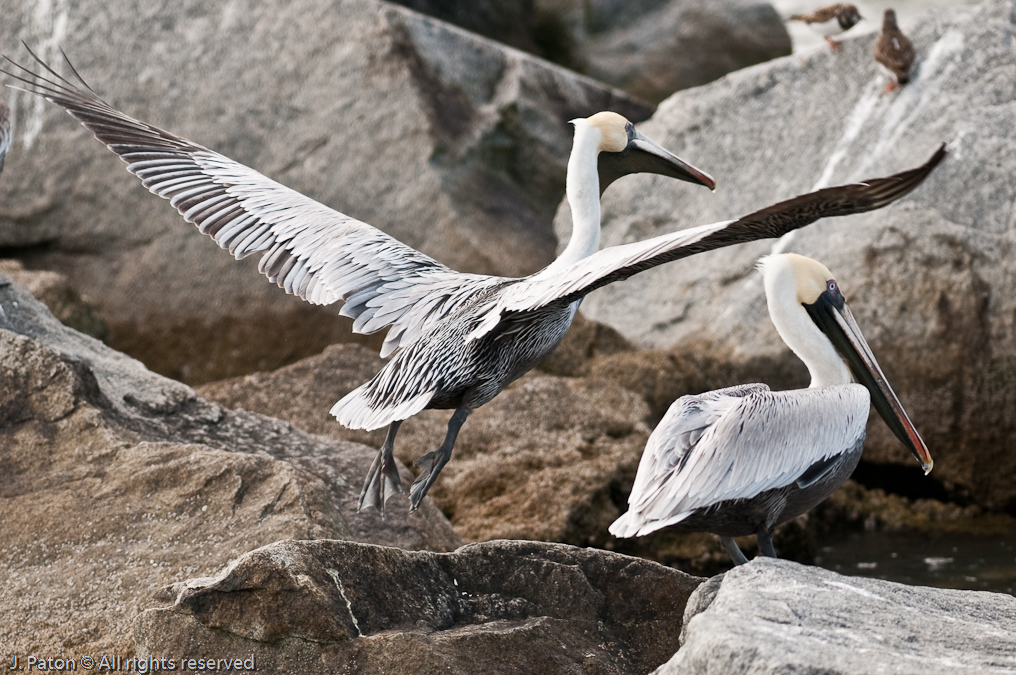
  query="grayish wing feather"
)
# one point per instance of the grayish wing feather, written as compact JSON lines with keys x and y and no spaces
{"x":731,"y":444}
{"x":620,"y":262}
{"x":5,"y":132}
{"x":309,"y":249}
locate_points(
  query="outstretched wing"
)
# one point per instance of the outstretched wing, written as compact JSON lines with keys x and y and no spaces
{"x":737,"y":443}
{"x":620,"y":262}
{"x":5,"y":132}
{"x":308,"y":249}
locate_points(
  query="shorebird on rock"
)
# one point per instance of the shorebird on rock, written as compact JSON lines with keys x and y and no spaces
{"x":831,"y":20}
{"x":894,"y":53}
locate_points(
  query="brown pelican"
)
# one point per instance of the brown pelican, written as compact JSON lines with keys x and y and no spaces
{"x":830,"y":21}
{"x":457,"y":339}
{"x":5,"y":133}
{"x":894,"y":53}
{"x":742,"y":460}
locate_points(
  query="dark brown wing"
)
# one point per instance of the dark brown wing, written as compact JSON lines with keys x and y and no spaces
{"x":620,"y":262}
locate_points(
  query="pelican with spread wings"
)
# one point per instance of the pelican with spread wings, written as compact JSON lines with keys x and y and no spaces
{"x":456,"y":339}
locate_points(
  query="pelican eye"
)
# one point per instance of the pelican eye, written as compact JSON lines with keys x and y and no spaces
{"x":831,"y":286}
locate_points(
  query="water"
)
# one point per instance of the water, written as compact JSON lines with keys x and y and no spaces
{"x":906,"y":13}
{"x":945,"y":560}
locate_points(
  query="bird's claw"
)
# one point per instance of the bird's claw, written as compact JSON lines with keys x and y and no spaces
{"x":382,"y":482}
{"x":431,"y":465}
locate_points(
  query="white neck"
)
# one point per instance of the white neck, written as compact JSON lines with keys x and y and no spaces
{"x":583,"y":190}
{"x":800,"y":333}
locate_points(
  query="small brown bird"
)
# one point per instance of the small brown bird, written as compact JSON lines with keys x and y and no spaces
{"x":831,"y":20}
{"x":5,"y":132}
{"x":893,"y":52}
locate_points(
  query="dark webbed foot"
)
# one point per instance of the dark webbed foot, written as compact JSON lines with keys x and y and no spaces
{"x":735,"y":553}
{"x":383,"y":479}
{"x":432,"y":463}
{"x":765,"y":543}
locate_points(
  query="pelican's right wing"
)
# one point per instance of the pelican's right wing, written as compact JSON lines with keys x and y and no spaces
{"x":5,"y":132}
{"x":309,"y":250}
{"x":620,"y":262}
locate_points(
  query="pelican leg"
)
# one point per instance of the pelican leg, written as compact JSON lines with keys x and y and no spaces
{"x":433,"y":462}
{"x":735,"y":553}
{"x":765,"y":543}
{"x":383,"y":479}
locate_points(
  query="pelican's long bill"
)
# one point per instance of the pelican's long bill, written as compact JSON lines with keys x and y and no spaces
{"x":831,"y":314}
{"x":643,"y":155}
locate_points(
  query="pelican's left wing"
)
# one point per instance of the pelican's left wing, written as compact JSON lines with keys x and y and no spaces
{"x":620,"y":262}
{"x":309,"y":249}
{"x":5,"y":132}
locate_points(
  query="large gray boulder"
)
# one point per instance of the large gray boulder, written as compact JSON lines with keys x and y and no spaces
{"x":929,"y":279}
{"x":452,"y":143}
{"x":775,"y":616}
{"x":498,"y":607}
{"x":117,"y":481}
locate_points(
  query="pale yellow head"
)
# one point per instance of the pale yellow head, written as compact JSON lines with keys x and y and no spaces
{"x":613,"y":130}
{"x":810,"y":278}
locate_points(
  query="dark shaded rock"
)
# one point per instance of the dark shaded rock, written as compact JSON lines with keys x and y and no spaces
{"x":115,"y":481}
{"x":775,"y":616}
{"x":928,"y":278}
{"x":512,"y":22}
{"x":450,"y":142}
{"x":60,"y":296}
{"x":652,"y":48}
{"x":498,"y":607}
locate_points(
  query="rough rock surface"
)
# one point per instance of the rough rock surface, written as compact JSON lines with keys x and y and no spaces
{"x":498,"y":607}
{"x":115,"y":481}
{"x":544,"y":460}
{"x":652,"y":48}
{"x":450,"y":142}
{"x":775,"y":616}
{"x":929,"y":279}
{"x":56,"y":291}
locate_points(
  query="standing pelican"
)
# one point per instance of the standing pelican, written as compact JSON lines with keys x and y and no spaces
{"x":5,"y":132}
{"x":458,"y":339}
{"x":742,"y":460}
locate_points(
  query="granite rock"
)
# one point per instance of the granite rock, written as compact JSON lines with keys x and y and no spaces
{"x":116,"y":481}
{"x":775,"y":616}
{"x":497,"y":607}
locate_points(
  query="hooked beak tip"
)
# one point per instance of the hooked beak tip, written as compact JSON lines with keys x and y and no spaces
{"x":928,"y":466}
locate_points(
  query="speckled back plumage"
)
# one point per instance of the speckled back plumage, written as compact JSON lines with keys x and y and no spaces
{"x":893,"y":50}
